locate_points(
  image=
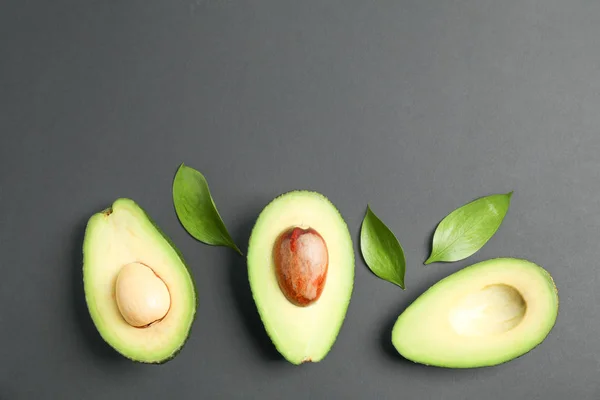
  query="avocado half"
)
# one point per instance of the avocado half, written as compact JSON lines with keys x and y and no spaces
{"x":483,"y":315}
{"x":301,"y":334}
{"x":117,"y":237}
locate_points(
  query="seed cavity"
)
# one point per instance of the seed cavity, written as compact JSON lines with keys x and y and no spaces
{"x":492,"y":310}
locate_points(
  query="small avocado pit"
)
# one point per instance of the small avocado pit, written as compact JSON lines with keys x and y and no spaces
{"x":142,"y":296}
{"x":301,"y":262}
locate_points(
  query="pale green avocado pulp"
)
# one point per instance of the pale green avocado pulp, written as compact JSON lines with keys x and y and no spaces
{"x":125,"y":234}
{"x":483,"y":315}
{"x":301,"y":334}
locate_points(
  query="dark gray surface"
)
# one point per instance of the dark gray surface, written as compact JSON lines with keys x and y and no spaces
{"x":413,"y":106}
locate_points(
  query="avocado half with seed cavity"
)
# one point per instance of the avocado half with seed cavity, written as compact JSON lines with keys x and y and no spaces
{"x":301,"y":273}
{"x":483,"y":315}
{"x":139,"y":292}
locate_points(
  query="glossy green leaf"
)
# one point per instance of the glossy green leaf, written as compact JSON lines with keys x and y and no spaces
{"x":468,"y":228}
{"x":381,"y":250}
{"x":196,"y":209}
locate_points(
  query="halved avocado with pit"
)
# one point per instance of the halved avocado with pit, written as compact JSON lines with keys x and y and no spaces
{"x":301,"y":272}
{"x":138,"y":289}
{"x":483,"y":315}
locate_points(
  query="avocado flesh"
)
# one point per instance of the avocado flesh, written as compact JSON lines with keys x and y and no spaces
{"x":301,"y":334}
{"x":483,"y":315}
{"x":114,"y":238}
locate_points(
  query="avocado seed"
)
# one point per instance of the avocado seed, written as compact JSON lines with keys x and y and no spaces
{"x":142,"y":297}
{"x":301,"y":262}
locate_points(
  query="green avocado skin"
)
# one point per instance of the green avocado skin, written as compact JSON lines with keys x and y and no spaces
{"x":87,"y":244}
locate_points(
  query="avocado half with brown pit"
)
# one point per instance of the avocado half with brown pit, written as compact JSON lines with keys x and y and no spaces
{"x":139,"y":292}
{"x":301,"y":273}
{"x":483,"y":315}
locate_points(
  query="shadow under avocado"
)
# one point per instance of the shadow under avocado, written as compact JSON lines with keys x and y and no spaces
{"x":385,"y":337}
{"x":241,"y":293}
{"x":80,"y":314}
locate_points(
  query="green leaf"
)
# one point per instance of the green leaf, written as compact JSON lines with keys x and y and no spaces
{"x":468,"y":228}
{"x":381,"y":250}
{"x":196,"y":209}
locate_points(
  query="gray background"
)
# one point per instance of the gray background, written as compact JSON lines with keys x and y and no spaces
{"x":415,"y":107}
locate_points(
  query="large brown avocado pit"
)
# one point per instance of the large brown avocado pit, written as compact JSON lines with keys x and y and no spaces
{"x":301,"y":262}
